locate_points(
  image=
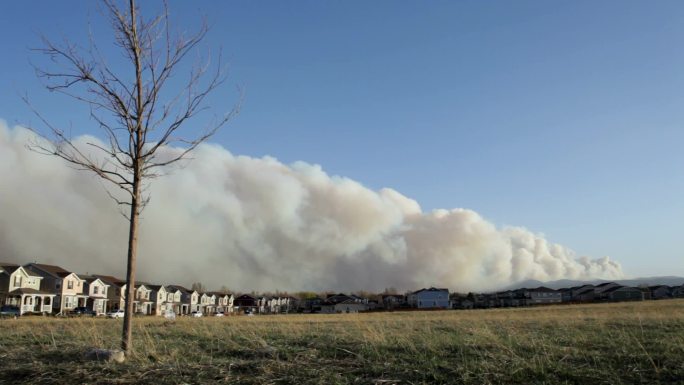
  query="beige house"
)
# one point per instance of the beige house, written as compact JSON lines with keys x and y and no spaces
{"x":173,"y":301}
{"x":224,"y":302}
{"x":208,"y":303}
{"x":97,"y":291}
{"x":346,"y":306}
{"x":143,"y":302}
{"x":21,"y":287}
{"x":68,"y":286}
{"x":114,"y":292}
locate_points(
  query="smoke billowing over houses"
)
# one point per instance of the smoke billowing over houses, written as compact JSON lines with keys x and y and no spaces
{"x":259,"y":224}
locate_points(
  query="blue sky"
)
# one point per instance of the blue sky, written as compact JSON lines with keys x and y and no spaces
{"x":561,"y":116}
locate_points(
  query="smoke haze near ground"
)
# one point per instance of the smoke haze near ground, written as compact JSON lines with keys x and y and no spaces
{"x":257,"y":224}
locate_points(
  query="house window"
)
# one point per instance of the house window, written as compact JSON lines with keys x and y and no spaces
{"x":95,"y":289}
{"x":47,"y":301}
{"x":70,"y":285}
{"x":17,"y":280}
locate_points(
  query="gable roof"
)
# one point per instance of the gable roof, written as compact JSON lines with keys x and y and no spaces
{"x":54,"y":270}
{"x":543,"y":289}
{"x":10,"y":268}
{"x":110,"y":280}
{"x":616,"y":288}
{"x":181,"y":288}
{"x":430,"y":289}
{"x":90,"y":279}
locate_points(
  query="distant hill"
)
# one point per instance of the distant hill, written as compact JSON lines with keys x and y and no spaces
{"x":563,"y":283}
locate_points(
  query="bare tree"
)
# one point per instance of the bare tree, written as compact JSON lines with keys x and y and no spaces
{"x":134,"y":109}
{"x":198,"y":287}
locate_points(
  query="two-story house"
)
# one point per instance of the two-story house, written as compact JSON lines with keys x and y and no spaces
{"x":97,"y":293}
{"x":174,"y":300}
{"x":21,"y":287}
{"x":142,"y":302}
{"x":66,"y":285}
{"x":208,"y":303}
{"x":224,"y":302}
{"x":189,"y":299}
{"x":429,"y":298}
{"x":115,"y":293}
{"x":246,"y":303}
{"x":540,"y":296}
{"x":392,"y":301}
{"x":158,"y":296}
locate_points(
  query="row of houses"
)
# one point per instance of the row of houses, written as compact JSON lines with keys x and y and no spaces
{"x":436,"y":298}
{"x":604,"y":292}
{"x":42,"y":288}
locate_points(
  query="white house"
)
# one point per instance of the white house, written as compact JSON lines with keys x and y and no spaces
{"x":21,"y":287}
{"x":224,"y":302}
{"x":208,"y":303}
{"x":97,"y":291}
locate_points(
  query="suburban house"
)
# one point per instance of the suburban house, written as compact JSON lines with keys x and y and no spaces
{"x":461,"y":301}
{"x":623,"y":293}
{"x":660,"y":291}
{"x":509,"y":298}
{"x":208,"y":303}
{"x":245,"y":303}
{"x":343,"y":303}
{"x":582,"y":293}
{"x":429,"y":298}
{"x":115,"y":292}
{"x":189,"y":299}
{"x":224,"y":302}
{"x":262,"y":305}
{"x":174,"y":299}
{"x":392,"y":301}
{"x":158,"y":295}
{"x":540,"y":296}
{"x":678,"y":291}
{"x":67,"y":286}
{"x":346,"y":306}
{"x":142,"y":301}
{"x":600,"y":290}
{"x":21,"y":287}
{"x":97,"y":293}
{"x":311,"y":305}
{"x":289,"y":305}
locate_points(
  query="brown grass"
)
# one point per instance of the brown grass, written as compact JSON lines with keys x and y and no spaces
{"x":580,"y":344}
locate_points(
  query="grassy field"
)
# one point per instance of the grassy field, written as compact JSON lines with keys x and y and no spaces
{"x":622,"y":343}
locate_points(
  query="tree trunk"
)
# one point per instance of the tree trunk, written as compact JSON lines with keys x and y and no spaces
{"x":127,"y":334}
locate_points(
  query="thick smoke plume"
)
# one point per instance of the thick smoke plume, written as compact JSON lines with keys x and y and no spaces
{"x":255,"y":223}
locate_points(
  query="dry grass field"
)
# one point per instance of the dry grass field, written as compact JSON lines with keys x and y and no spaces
{"x":623,"y":343}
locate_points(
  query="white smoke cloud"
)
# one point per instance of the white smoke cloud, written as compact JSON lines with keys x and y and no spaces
{"x":255,"y":223}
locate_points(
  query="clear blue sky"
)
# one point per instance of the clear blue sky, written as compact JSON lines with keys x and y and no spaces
{"x":561,"y":116}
